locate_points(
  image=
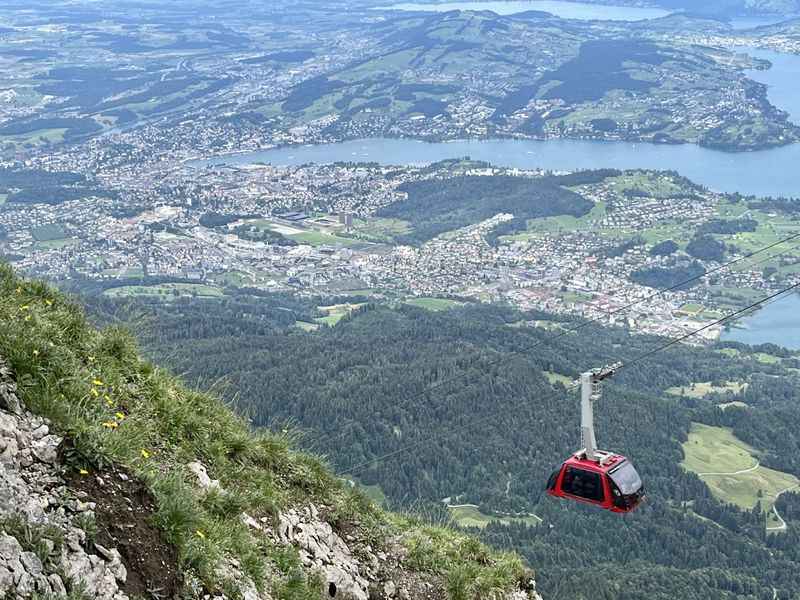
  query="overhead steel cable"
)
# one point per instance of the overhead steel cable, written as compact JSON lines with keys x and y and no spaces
{"x":595,"y":320}
{"x":361,"y":466}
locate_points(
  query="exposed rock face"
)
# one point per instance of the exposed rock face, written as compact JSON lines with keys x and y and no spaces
{"x":325,"y":552}
{"x":353,"y":570}
{"x":8,"y":391}
{"x":42,"y":549}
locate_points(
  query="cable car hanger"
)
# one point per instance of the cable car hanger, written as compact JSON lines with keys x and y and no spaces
{"x":593,"y":476}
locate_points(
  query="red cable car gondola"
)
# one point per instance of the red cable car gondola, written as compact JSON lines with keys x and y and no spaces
{"x":603,"y":479}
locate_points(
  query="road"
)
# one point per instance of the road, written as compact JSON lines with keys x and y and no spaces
{"x":742,"y":472}
{"x":782,"y":526}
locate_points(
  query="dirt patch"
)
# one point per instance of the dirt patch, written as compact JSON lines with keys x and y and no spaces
{"x":419,"y":586}
{"x":124,"y":516}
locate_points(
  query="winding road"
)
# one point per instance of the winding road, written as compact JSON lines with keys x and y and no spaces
{"x":742,"y":472}
{"x":782,"y":526}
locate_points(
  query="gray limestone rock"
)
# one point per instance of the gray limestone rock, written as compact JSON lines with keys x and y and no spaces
{"x":6,"y":580}
{"x":31,"y":563}
{"x":203,"y":480}
{"x":57,"y":585}
{"x":46,"y":449}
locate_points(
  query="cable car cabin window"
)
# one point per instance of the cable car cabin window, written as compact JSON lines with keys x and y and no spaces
{"x":626,"y":477}
{"x":584,"y":484}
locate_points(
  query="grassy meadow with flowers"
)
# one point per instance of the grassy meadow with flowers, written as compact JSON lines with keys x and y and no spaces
{"x":118,"y":411}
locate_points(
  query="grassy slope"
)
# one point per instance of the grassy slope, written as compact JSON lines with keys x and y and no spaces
{"x":703,"y":389}
{"x":434,"y":304}
{"x":717,"y":450}
{"x":118,"y":409}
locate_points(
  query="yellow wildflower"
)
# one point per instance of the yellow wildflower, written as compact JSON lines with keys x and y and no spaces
{"x":120,"y":416}
{"x":83,"y":472}
{"x":97,"y":382}
{"x":95,"y":393}
{"x":24,"y":307}
{"x":27,"y":318}
{"x":200,"y":534}
{"x":111,"y":424}
{"x":145,"y":453}
{"x":48,"y":302}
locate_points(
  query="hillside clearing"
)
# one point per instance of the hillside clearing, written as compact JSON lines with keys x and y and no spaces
{"x":467,"y":515}
{"x":730,"y":468}
{"x":434,"y":304}
{"x":703,"y":389}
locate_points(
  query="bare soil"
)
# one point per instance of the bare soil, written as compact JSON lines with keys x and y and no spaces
{"x":124,"y":516}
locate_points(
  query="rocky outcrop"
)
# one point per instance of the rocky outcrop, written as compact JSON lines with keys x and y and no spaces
{"x":353,"y":570}
{"x":323,"y":551}
{"x":8,"y":391}
{"x":43,"y":548}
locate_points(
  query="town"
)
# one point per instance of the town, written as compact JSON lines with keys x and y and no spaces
{"x":316,"y":230}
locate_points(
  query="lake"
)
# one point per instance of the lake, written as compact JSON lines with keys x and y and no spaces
{"x":769,"y":172}
{"x":565,"y":10}
{"x":777,"y":323}
{"x":573,"y":10}
{"x":782,"y":80}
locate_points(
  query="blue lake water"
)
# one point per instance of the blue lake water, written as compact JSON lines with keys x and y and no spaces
{"x":777,"y":323}
{"x":770,"y":172}
{"x":565,"y":10}
{"x":573,"y":10}
{"x":783,"y":80}
{"x":774,"y":172}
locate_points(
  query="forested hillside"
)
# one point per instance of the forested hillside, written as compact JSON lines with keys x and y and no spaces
{"x":435,"y":206}
{"x":471,"y":400}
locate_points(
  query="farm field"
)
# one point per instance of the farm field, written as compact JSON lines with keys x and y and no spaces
{"x":335,"y":313}
{"x":381,"y":229}
{"x":165,"y":290}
